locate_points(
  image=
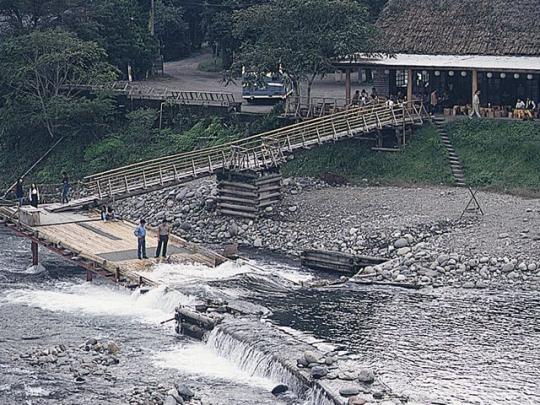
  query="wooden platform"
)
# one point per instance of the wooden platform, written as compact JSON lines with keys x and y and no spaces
{"x":105,"y":247}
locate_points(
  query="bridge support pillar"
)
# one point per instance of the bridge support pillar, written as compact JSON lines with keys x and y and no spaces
{"x":35,"y":253}
{"x":89,"y":276}
{"x":248,"y":193}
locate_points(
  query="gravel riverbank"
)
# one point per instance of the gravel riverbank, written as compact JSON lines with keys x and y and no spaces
{"x":418,"y":229}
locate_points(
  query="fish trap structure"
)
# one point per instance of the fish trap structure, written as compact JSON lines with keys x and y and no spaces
{"x":337,"y":261}
{"x":248,"y":193}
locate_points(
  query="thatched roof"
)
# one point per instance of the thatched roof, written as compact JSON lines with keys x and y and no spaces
{"x":461,"y":27}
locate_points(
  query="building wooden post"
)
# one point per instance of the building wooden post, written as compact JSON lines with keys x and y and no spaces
{"x":35,"y":253}
{"x":348,"y":86}
{"x":89,"y":275}
{"x":474,"y":83}
{"x":409,"y":84}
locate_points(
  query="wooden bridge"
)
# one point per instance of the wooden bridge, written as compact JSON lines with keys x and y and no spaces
{"x":256,"y":152}
{"x":136,"y":91}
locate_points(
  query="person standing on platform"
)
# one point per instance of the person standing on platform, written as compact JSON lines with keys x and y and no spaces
{"x":356,"y":97}
{"x":164,"y":231}
{"x":475,"y":105}
{"x":140,"y":233}
{"x":34,"y":196}
{"x":19,"y":191}
{"x":65,"y":188}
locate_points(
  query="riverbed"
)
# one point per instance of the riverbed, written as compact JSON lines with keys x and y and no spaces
{"x":447,"y":346}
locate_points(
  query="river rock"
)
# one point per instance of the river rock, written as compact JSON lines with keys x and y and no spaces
{"x":531,"y":267}
{"x":112,"y":347}
{"x":366,"y":375}
{"x":507,"y":267}
{"x":319,"y":372}
{"x":279,"y":389}
{"x":257,"y":243}
{"x":401,"y":243}
{"x":184,"y":391}
{"x":403,"y":251}
{"x":348,"y":391}
{"x":356,"y":401}
{"x":170,"y":400}
{"x":91,"y":342}
{"x":311,"y":357}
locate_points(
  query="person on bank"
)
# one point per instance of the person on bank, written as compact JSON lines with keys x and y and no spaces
{"x":140,"y":233}
{"x":19,"y":191}
{"x":65,"y":188}
{"x":164,"y":231}
{"x":356,"y":98}
{"x":34,"y":196}
{"x":475,"y":105}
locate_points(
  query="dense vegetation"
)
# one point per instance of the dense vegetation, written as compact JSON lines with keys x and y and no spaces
{"x":422,"y":162}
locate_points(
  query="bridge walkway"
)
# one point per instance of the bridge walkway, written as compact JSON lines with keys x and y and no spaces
{"x":256,"y":152}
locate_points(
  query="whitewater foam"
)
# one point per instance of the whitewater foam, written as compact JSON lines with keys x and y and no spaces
{"x":198,"y":359}
{"x":153,"y":306}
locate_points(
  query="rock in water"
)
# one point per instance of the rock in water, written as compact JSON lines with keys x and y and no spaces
{"x":319,"y":372}
{"x":366,"y":375}
{"x":184,"y":391}
{"x":112,"y":347}
{"x":91,"y":342}
{"x":356,"y":401}
{"x":280,"y":389}
{"x":311,"y":357}
{"x":349,"y":391}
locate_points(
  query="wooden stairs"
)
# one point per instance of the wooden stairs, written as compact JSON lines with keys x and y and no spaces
{"x":453,"y":158}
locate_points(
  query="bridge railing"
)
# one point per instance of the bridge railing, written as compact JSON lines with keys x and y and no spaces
{"x":261,"y":149}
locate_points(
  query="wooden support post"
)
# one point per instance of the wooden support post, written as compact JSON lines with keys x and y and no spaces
{"x":474,"y":83}
{"x":35,"y":253}
{"x":409,"y":84}
{"x":348,"y":86}
{"x":89,"y":276}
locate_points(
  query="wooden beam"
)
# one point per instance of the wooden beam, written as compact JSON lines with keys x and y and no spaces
{"x":474,"y":83}
{"x":409,"y":84}
{"x":348,"y":85}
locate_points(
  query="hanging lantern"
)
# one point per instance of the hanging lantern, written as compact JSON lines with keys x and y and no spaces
{"x":451,"y":73}
{"x":437,"y":73}
{"x":424,"y":72}
{"x":503,"y":75}
{"x":489,"y":75}
{"x":386,"y":72}
{"x":463,"y":73}
{"x":516,"y":75}
{"x":529,"y":76}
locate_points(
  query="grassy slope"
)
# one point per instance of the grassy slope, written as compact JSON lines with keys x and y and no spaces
{"x":422,"y":162}
{"x":501,"y":155}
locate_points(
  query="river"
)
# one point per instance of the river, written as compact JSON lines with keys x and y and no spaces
{"x":437,"y":346}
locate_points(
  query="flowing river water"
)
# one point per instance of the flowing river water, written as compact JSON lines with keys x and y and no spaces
{"x":435,"y":346}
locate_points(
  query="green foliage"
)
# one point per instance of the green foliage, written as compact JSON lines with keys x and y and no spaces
{"x":497,"y":154}
{"x":305,"y":36}
{"x":422,"y":162}
{"x":171,"y":28}
{"x":37,"y":71}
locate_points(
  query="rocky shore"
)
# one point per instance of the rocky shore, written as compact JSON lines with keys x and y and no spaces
{"x":95,"y":361}
{"x":418,"y":230}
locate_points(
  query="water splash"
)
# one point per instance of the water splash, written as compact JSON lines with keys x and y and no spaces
{"x":151,"y":307}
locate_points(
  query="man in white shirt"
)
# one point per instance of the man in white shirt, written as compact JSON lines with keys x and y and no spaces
{"x":475,"y":105}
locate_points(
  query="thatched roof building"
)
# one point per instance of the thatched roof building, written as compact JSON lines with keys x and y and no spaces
{"x":461,"y":27}
{"x":455,"y":47}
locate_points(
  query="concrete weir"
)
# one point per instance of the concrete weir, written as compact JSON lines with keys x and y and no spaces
{"x":261,"y":348}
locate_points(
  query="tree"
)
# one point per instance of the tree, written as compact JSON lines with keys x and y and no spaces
{"x":171,"y":29}
{"x":303,"y":36}
{"x":41,"y":72}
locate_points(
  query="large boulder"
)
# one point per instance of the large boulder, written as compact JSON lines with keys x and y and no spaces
{"x":366,"y":375}
{"x":319,"y":372}
{"x":279,"y":389}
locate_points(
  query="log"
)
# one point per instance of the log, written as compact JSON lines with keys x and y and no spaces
{"x":187,"y":316}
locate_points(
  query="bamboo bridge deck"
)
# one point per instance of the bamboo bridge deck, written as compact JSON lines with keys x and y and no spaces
{"x":107,"y":248}
{"x":255,"y":152}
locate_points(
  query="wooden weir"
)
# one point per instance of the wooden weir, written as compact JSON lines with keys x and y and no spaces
{"x":103,"y":248}
{"x":337,"y":261}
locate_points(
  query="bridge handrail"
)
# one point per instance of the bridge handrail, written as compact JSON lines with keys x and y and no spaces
{"x":291,"y":128}
{"x":263,"y":147}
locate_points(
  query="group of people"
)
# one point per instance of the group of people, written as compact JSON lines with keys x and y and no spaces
{"x":33,"y":192}
{"x":528,"y":104}
{"x":362,"y":98}
{"x":163,"y":231}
